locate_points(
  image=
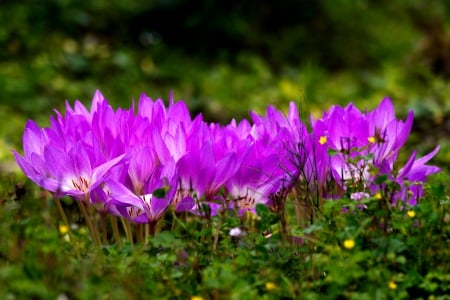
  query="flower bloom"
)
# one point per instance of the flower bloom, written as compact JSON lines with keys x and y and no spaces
{"x":392,"y":285}
{"x":236,"y":232}
{"x":66,"y":158}
{"x":270,"y":286}
{"x":63,"y":229}
{"x":349,"y":244}
{"x":366,"y":145}
{"x":411,"y":213}
{"x":137,"y":163}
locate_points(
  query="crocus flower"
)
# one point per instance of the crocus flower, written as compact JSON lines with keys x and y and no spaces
{"x":147,"y":205}
{"x":62,"y":165}
{"x":138,"y":164}
{"x":364,"y":142}
{"x":202,"y":174}
{"x":387,"y":134}
{"x":256,"y":181}
{"x":288,"y":137}
{"x":344,"y":131}
{"x":411,"y":178}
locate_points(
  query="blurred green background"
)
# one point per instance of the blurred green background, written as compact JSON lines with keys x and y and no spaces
{"x":224,"y":58}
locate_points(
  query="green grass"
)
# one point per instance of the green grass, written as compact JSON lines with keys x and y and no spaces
{"x":405,"y":258}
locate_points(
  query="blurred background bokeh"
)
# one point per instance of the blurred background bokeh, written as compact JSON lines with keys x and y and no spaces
{"x":225,"y":58}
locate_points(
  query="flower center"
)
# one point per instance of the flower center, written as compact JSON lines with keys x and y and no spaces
{"x":133,"y":212}
{"x":81,"y":184}
{"x":246,"y":202}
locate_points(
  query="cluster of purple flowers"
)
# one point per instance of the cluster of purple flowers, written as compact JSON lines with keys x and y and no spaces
{"x":137,"y":163}
{"x":367,"y":146}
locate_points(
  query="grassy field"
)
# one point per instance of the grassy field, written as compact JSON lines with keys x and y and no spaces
{"x":338,"y":256}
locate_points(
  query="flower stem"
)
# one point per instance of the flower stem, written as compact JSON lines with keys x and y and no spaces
{"x":65,"y":221}
{"x":115,"y":229}
{"x":127,"y":228}
{"x":94,"y":233}
{"x":104,"y":228}
{"x":62,"y":213}
{"x":146,"y":233}
{"x":216,"y":235}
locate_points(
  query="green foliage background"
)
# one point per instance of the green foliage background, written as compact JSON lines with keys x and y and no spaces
{"x":223,"y":59}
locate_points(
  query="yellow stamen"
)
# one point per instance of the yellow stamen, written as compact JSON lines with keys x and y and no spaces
{"x":323,"y":140}
{"x":371,"y":139}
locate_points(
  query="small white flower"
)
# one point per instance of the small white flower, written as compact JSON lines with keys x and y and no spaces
{"x":359,"y":196}
{"x":236,"y":232}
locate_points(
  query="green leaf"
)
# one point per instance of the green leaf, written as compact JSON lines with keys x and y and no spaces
{"x":332,"y":152}
{"x":160,"y":193}
{"x":381,"y":179}
{"x":262,"y":210}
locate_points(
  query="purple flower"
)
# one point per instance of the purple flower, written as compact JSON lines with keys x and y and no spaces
{"x":258,"y":178}
{"x":366,"y":145}
{"x":140,"y":209}
{"x":139,"y":164}
{"x":412,"y":177}
{"x":387,"y":134}
{"x":204,"y":169}
{"x":65,"y":158}
{"x":145,"y":205}
{"x":288,"y":137}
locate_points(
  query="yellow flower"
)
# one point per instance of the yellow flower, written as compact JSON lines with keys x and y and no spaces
{"x":323,"y":140}
{"x":63,"y":229}
{"x":371,"y":139}
{"x":349,"y":244}
{"x":411,"y":213}
{"x":196,"y":298}
{"x":378,"y":196}
{"x":270,"y":286}
{"x":392,"y":285}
